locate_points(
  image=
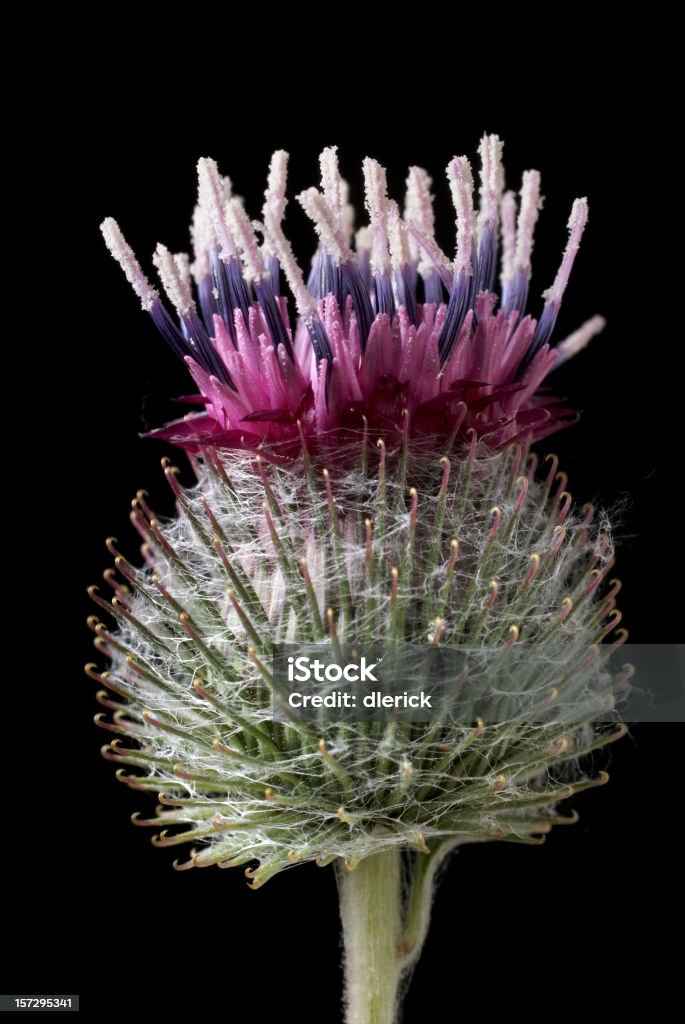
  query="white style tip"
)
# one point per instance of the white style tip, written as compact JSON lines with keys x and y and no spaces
{"x":274,"y":197}
{"x":213,"y":192}
{"x":243,"y":233}
{"x":461,"y":186}
{"x":576,"y":227}
{"x":376,"y":190}
{"x":125,"y":257}
{"x":173,"y":280}
{"x":326,"y":223}
{"x":579,"y":339}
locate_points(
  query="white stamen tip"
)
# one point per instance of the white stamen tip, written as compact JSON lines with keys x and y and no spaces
{"x":491,"y":179}
{"x":242,"y":231}
{"x":182,"y":261}
{"x":203,"y":238}
{"x":173,"y":282}
{"x":578,"y":217}
{"x":376,"y":189}
{"x":398,"y":238}
{"x":578,"y":340}
{"x":279,"y":244}
{"x":418,"y":204}
{"x":347,"y":220}
{"x":274,"y":197}
{"x":125,"y":257}
{"x":418,"y":210}
{"x":508,"y":218}
{"x":326,"y":223}
{"x":331,"y":182}
{"x":461,"y":185}
{"x":363,"y":240}
{"x":576,"y":227}
{"x":531,"y":204}
{"x":212,"y":197}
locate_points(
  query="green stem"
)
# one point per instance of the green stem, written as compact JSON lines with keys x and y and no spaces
{"x":371,"y":911}
{"x":385,"y":915}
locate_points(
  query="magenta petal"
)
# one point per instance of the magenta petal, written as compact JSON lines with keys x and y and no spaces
{"x":197,"y":426}
{"x":190,"y":399}
{"x":268,"y":416}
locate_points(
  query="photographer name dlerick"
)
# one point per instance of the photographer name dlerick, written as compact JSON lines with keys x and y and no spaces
{"x":302,"y":670}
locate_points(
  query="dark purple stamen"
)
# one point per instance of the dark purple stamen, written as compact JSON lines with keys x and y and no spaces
{"x":486,"y":261}
{"x":385,"y":300}
{"x":543,"y":333}
{"x":405,"y":282}
{"x":223,"y":295}
{"x":272,"y":314}
{"x":190,"y":339}
{"x":515,"y":293}
{"x":432,"y":289}
{"x":461,"y":299}
{"x":274,"y":268}
{"x":207,"y":302}
{"x":238,"y":289}
{"x":361,"y":301}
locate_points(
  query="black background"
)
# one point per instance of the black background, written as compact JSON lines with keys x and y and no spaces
{"x":100,"y":911}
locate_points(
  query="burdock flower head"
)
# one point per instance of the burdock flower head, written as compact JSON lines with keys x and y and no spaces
{"x":364,"y":475}
{"x":387,"y":329}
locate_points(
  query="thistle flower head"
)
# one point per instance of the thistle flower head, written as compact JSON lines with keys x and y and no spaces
{"x":401,"y":370}
{"x":385,"y":326}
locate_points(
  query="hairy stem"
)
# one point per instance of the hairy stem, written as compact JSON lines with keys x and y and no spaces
{"x":371,"y":911}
